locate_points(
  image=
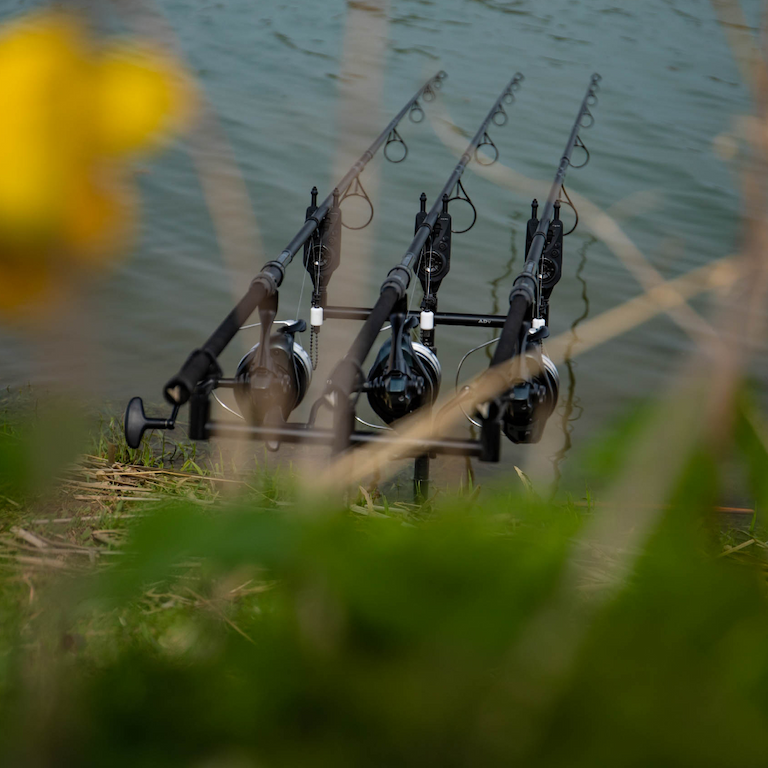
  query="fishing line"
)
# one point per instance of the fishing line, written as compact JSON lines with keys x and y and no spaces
{"x":274,"y":322}
{"x":458,"y":373}
{"x":226,"y":407}
{"x":368,"y":424}
{"x":301,"y":296}
{"x":415,"y":282}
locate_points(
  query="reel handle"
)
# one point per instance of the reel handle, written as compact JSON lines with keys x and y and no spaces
{"x":137,"y":422}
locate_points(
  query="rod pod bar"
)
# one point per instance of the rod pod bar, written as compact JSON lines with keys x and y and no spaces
{"x":197,"y":366}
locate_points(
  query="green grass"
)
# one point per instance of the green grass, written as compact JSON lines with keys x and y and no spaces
{"x":259,"y":636}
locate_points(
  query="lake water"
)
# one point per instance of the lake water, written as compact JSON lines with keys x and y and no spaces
{"x":301,"y":88}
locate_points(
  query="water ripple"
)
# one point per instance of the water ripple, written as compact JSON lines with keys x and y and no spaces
{"x":419,"y":51}
{"x":285,"y":40}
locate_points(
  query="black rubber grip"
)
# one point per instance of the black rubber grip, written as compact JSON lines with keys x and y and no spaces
{"x":178,"y":390}
{"x":509,"y":343}
{"x":343,"y":377}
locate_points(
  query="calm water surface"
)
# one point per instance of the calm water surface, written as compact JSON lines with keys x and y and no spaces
{"x":280,"y":74}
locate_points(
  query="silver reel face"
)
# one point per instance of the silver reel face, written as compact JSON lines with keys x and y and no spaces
{"x":260,"y":391}
{"x":304,"y":369}
{"x":431,"y":365}
{"x":550,"y":372}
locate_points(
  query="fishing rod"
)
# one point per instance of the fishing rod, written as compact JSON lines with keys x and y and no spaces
{"x":320,"y":236}
{"x":522,"y":410}
{"x":405,"y":376}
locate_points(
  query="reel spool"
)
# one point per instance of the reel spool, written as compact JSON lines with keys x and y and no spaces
{"x":269,"y":386}
{"x":405,"y":379}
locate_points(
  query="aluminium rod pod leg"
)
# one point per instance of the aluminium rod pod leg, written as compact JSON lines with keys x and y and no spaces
{"x":421,"y":478}
{"x":199,"y":412}
{"x":349,"y":373}
{"x":343,"y":426}
{"x":490,"y":434}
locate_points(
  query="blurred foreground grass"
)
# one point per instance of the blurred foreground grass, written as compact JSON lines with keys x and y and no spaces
{"x":149,"y":617}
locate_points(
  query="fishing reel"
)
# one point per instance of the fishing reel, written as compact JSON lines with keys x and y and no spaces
{"x":273,"y":378}
{"x":529,"y":402}
{"x":521,"y":412}
{"x":405,"y":375}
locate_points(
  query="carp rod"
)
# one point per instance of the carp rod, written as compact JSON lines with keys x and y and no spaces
{"x":320,"y":235}
{"x":399,"y":389}
{"x":522,"y":410}
{"x":178,"y":390}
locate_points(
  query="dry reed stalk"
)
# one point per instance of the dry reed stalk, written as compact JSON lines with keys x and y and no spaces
{"x":83,"y":518}
{"x":36,"y":541}
{"x":603,"y":225}
{"x":697,"y":412}
{"x":670,"y":296}
{"x":224,"y":188}
{"x":738,"y":548}
{"x":353,"y":467}
{"x":699,"y":408}
{"x":220,"y":613}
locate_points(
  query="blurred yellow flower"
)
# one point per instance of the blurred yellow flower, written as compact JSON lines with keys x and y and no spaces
{"x":74,"y":112}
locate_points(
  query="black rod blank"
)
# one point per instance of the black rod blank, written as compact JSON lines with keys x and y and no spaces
{"x":178,"y":390}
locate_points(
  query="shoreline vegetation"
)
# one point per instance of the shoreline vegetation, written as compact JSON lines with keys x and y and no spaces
{"x":156,"y":610}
